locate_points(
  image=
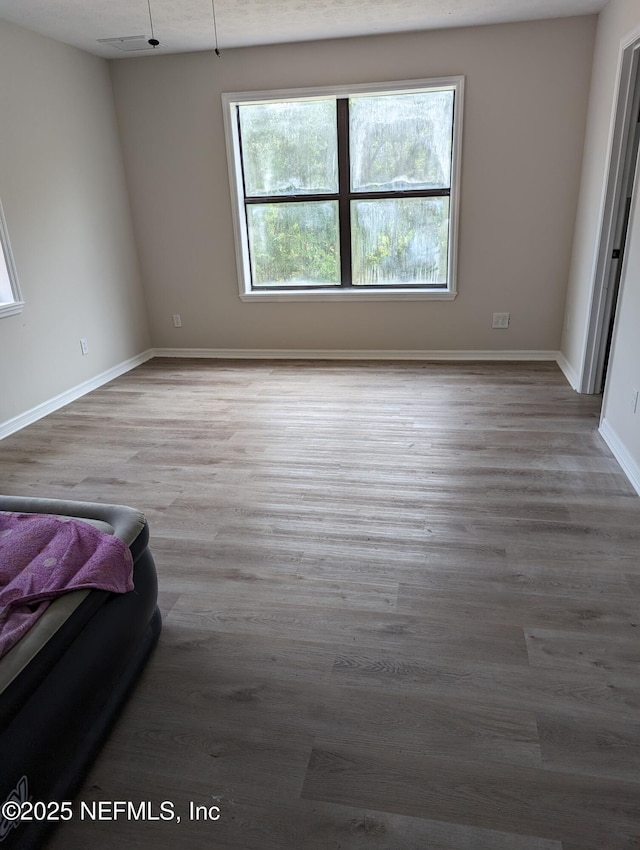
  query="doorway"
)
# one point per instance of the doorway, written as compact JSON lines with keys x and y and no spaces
{"x":623,"y":174}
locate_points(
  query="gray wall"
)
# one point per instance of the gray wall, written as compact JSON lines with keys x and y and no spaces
{"x":526,"y":98}
{"x":65,"y":200}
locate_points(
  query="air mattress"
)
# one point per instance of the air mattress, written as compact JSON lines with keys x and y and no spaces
{"x":63,"y":684}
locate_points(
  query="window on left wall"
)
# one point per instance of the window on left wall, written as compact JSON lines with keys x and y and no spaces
{"x":10,"y":296}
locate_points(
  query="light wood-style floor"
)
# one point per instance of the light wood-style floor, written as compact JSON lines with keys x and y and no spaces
{"x":401,"y":606}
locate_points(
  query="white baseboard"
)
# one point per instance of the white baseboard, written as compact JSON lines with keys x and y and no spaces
{"x":629,"y":465}
{"x":350,"y":354}
{"x":47,"y":407}
{"x":568,"y":371}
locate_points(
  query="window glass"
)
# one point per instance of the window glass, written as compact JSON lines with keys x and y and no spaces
{"x":10,"y":297}
{"x":294,"y":244}
{"x":6,"y":294}
{"x":400,"y":240}
{"x":401,"y":141}
{"x":289,"y":148}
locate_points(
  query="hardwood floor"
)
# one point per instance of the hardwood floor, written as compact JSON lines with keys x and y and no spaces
{"x":401,"y":606}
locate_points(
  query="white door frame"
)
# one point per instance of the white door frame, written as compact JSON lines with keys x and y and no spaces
{"x":602,"y":304}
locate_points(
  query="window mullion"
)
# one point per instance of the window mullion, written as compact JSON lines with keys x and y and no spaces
{"x":289,"y":199}
{"x":344,"y":182}
{"x":402,"y":193}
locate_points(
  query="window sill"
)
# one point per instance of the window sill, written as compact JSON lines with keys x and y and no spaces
{"x":381,"y":294}
{"x":11,"y":309}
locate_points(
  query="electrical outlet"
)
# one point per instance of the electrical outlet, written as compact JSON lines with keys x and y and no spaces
{"x":177,"y":321}
{"x":500,"y":320}
{"x":84,"y":346}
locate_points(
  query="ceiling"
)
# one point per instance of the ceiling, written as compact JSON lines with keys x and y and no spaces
{"x":186,"y":25}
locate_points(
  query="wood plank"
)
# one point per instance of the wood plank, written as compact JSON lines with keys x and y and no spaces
{"x":581,"y":693}
{"x":581,"y":650}
{"x":594,"y":746}
{"x":552,"y":805}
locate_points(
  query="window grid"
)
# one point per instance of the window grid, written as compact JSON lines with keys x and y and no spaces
{"x":344,"y":197}
{"x":384,"y":270}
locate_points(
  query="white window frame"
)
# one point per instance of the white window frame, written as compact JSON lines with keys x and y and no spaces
{"x":11,"y":301}
{"x":230,"y":100}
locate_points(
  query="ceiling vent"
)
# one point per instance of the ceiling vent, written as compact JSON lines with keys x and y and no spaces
{"x":130,"y":43}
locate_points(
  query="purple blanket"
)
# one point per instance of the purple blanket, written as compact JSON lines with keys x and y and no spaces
{"x":43,"y":556}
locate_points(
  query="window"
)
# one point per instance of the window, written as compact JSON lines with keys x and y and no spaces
{"x":10,"y":297}
{"x":346,"y":193}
